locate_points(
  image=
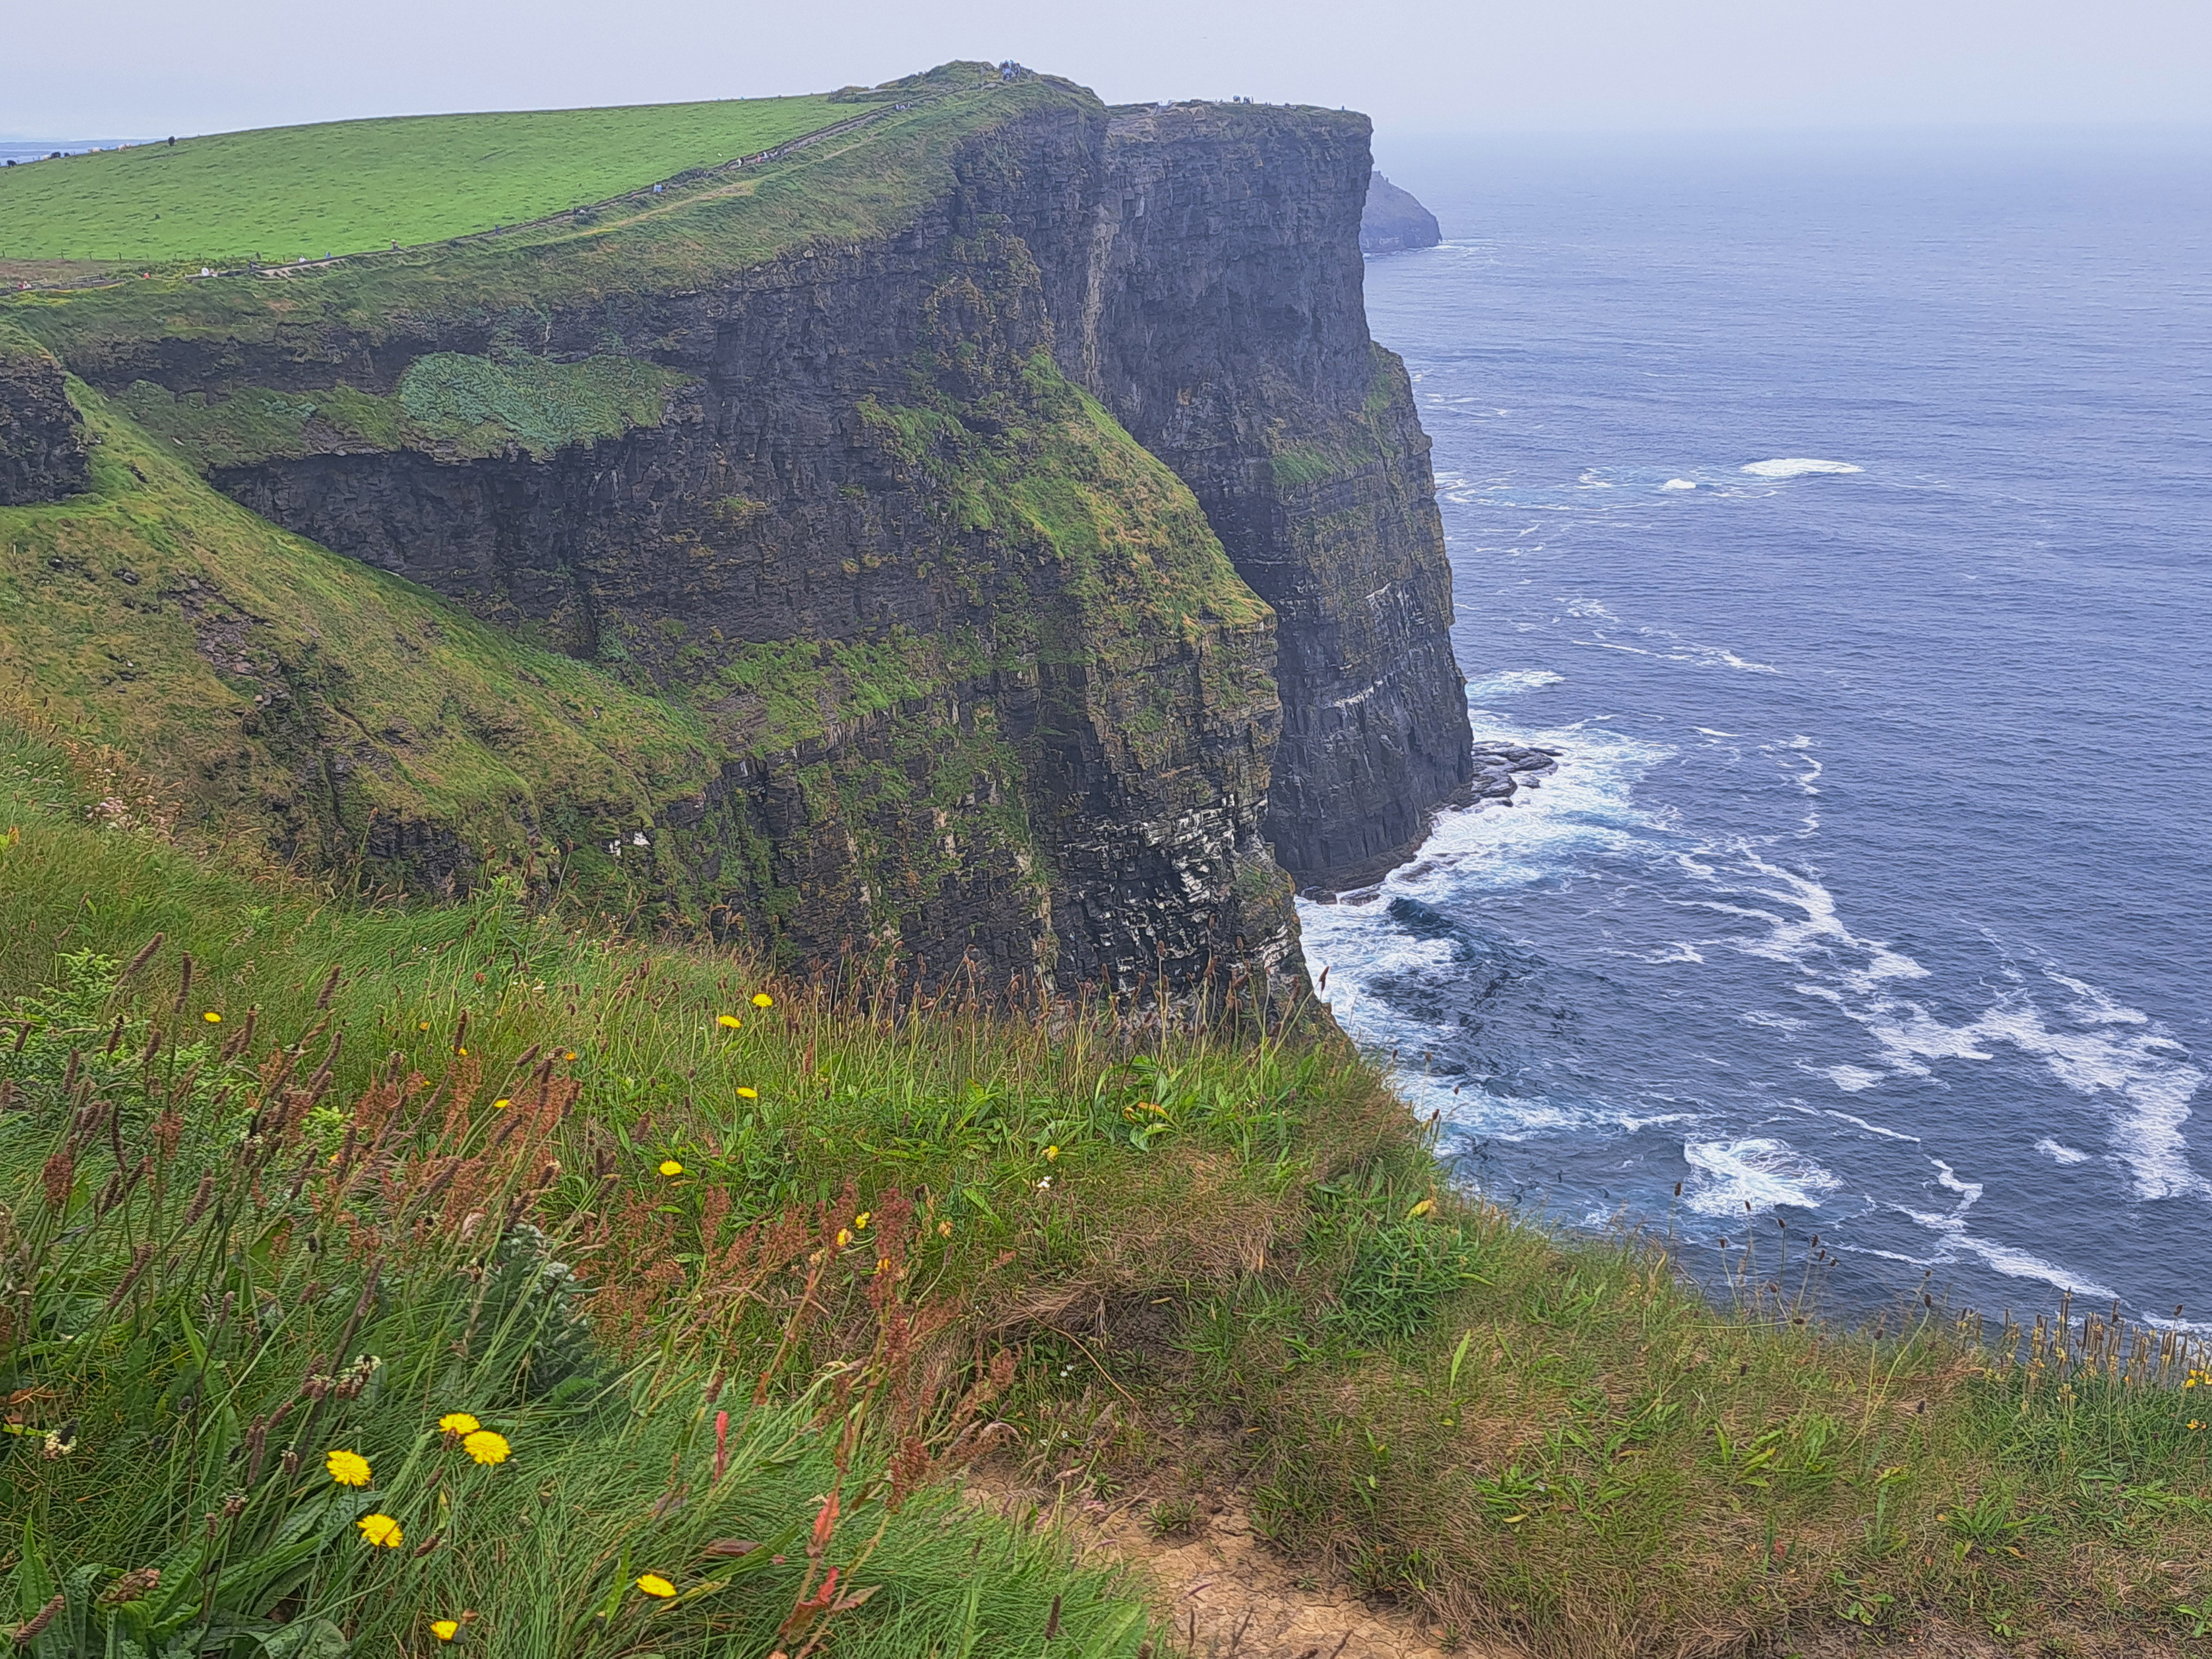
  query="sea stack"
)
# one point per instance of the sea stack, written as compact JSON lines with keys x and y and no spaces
{"x":1394,"y":220}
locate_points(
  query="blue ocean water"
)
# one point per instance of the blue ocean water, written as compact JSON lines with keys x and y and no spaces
{"x":1842,"y":513}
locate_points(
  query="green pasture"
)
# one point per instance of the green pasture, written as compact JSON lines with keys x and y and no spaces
{"x":344,"y":186}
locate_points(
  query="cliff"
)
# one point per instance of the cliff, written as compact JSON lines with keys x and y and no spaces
{"x":815,"y":469}
{"x":1231,"y":340}
{"x":42,"y":448}
{"x":1394,"y":221}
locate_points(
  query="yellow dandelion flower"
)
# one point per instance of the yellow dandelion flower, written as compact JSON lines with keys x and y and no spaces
{"x":459,"y":1423}
{"x":381,"y":1530}
{"x":463,"y":1053}
{"x":348,"y":1468}
{"x":1050,"y":1153}
{"x":444,"y":1629}
{"x":730,"y":1021}
{"x":424,"y":1026}
{"x":748,"y":1094}
{"x":212,"y":1018}
{"x":762,"y":999}
{"x":568,"y":1054}
{"x":861,"y":1220}
{"x":1421,"y":1209}
{"x":501,"y":1104}
{"x":844,"y":1237}
{"x":671,"y":1168}
{"x":655,"y":1586}
{"x":487,"y":1446}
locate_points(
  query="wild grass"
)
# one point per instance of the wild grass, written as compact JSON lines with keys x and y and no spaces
{"x":479,"y":1158}
{"x":277,"y":193}
{"x":283,"y":1177}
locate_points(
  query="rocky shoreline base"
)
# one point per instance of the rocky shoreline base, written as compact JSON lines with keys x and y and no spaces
{"x":1502,"y":771}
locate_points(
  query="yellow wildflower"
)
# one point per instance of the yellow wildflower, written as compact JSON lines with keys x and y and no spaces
{"x":1421,"y":1209}
{"x":844,"y":1237}
{"x":459,"y":1423}
{"x":381,"y":1530}
{"x":1050,"y":1153}
{"x":444,"y":1629}
{"x":212,"y":1018}
{"x":568,"y":1054}
{"x":762,"y":999}
{"x":883,"y":1264}
{"x":348,"y":1468}
{"x":463,"y":1053}
{"x":944,"y":1230}
{"x":487,"y":1446}
{"x":2194,"y":1424}
{"x":671,"y":1168}
{"x":861,"y":1220}
{"x":655,"y":1586}
{"x":730,"y":1021}
{"x":748,"y":1094}
{"x":424,"y":1026}
{"x":501,"y":1104}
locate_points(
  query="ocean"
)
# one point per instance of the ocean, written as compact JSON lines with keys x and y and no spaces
{"x":1840,"y":510}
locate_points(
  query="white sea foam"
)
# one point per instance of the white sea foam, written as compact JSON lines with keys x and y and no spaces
{"x":1585,"y":807}
{"x":1871,"y":1128}
{"x":1758,"y":1170}
{"x":1509,"y":683}
{"x":2058,"y":1154}
{"x":1851,"y":1080}
{"x":1678,"y":483}
{"x":1796,"y":467}
{"x":1772,"y":1022}
{"x":1804,"y":930}
{"x":2144,"y":1077}
{"x":1661,"y":642}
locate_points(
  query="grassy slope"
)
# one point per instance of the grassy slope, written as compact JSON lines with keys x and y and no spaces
{"x":450,"y":720}
{"x":855,"y":188}
{"x":344,"y":186}
{"x":1213,"y":1256}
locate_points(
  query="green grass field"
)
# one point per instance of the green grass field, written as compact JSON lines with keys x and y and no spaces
{"x":345,"y":186}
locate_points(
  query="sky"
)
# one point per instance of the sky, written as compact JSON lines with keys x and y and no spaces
{"x":1420,"y":67}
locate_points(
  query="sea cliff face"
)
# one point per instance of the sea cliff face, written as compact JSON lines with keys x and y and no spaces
{"x":1231,"y":338}
{"x":925,"y":531}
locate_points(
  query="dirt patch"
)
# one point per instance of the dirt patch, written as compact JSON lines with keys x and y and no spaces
{"x":1230,"y":1595}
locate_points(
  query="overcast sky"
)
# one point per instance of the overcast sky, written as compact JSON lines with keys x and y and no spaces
{"x":146,"y":68}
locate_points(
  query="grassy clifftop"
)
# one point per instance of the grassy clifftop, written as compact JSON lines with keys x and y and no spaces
{"x":344,"y":186}
{"x":855,"y":187}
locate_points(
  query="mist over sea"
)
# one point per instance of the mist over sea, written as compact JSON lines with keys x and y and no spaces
{"x":1842,"y":513}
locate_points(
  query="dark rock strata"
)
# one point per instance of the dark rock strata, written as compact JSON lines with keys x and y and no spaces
{"x":42,"y":449}
{"x":993,"y":699}
{"x":1394,"y":221}
{"x":1231,"y":338}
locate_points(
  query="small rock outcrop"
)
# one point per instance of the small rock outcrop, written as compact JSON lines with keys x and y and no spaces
{"x":1394,"y":220}
{"x":42,"y":448}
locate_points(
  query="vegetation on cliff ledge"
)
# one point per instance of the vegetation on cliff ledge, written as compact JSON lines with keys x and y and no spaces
{"x":737,"y":1275}
{"x":306,"y":703}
